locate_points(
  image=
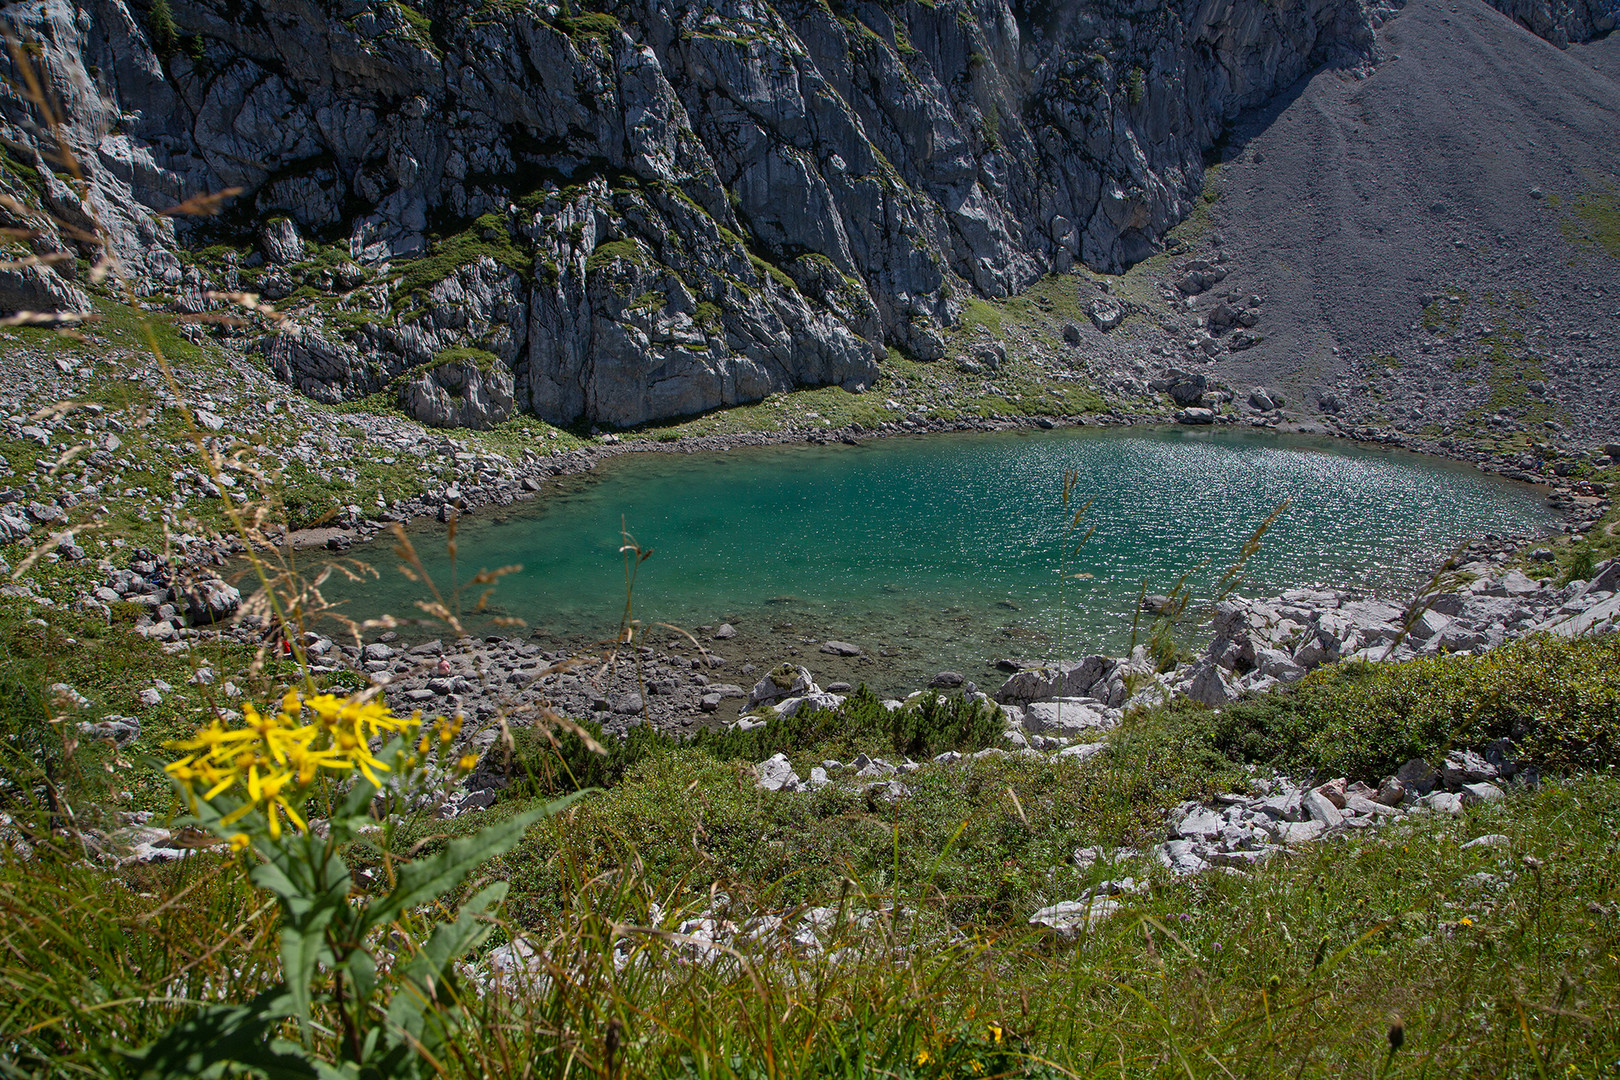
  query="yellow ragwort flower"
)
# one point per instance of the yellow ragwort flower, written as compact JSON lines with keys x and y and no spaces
{"x":271,"y":759}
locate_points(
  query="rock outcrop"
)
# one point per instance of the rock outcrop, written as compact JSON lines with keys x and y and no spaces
{"x":640,"y":212}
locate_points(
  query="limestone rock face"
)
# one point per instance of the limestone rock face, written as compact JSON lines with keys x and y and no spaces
{"x":629,"y":216}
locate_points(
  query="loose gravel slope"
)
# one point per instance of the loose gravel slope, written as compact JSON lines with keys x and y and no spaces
{"x":1440,"y":235}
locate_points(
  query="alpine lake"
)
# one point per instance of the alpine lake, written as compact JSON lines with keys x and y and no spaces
{"x":943,"y":552}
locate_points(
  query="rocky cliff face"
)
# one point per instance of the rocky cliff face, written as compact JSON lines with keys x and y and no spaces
{"x":646,"y":210}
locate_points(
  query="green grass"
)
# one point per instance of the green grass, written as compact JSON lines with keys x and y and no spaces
{"x":1592,"y":219}
{"x":589,"y":24}
{"x":1557,"y":700}
{"x":482,"y":359}
{"x":488,"y":236}
{"x":1299,"y":968}
{"x":774,"y":272}
{"x":612,"y":251}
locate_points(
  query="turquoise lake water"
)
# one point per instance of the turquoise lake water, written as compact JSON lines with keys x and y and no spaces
{"x":942,"y":552}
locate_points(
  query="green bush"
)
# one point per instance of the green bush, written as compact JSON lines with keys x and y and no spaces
{"x":928,"y":726}
{"x":1557,"y":699}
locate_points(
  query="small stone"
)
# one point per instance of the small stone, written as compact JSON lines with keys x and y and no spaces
{"x":840,"y":648}
{"x":1180,"y":857}
{"x":1443,"y":802}
{"x":625,"y":704}
{"x":1068,"y":918}
{"x":1200,"y":824}
{"x":726,"y":632}
{"x":1489,"y":840}
{"x":150,"y":696}
{"x":1299,"y":832}
{"x":1334,"y":791}
{"x":1484,"y":792}
{"x":1321,"y":809}
{"x":1418,"y":776}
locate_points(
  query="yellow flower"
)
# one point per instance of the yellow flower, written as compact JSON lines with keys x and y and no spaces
{"x":468,"y":762}
{"x":1465,"y":921}
{"x":239,"y":841}
{"x":924,"y":1057}
{"x":271,"y":760}
{"x":994,"y":1033}
{"x":976,"y":1068}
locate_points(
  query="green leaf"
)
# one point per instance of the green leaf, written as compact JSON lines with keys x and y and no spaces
{"x":422,"y":977}
{"x":313,"y":895}
{"x":428,"y":879}
{"x":225,"y":1038}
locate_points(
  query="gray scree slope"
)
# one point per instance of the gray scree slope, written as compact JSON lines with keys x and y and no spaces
{"x":1444,"y":178}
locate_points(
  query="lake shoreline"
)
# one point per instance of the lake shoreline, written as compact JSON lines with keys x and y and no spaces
{"x":730,"y":661}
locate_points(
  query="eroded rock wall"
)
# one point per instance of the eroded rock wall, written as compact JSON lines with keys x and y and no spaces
{"x":648,"y":210}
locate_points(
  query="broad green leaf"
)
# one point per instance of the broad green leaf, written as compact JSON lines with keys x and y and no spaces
{"x":225,"y":1038}
{"x":423,"y":975}
{"x":306,"y":912}
{"x":302,"y":949}
{"x":362,"y":970}
{"x":432,"y":877}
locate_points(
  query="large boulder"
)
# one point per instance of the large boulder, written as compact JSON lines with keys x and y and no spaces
{"x":783,"y":681}
{"x":1100,"y":677}
{"x":211,"y":601}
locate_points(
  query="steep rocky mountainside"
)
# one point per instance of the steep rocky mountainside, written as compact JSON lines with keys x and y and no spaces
{"x":641,"y":211}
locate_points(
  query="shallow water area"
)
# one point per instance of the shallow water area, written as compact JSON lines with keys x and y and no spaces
{"x":945,"y":552}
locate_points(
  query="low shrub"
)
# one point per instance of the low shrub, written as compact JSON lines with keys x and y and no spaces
{"x":1557,"y":699}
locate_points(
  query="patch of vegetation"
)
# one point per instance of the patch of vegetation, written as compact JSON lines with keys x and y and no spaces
{"x":1593,"y":219}
{"x":589,"y":24}
{"x":709,"y":317}
{"x":161,"y":31}
{"x":774,"y":272}
{"x":481,"y":359}
{"x":15,"y":169}
{"x":612,"y":251}
{"x":1556,"y":699}
{"x":488,"y":236}
{"x":1443,"y":313}
{"x":920,"y":729}
{"x":1135,"y":86}
{"x":977,"y":312}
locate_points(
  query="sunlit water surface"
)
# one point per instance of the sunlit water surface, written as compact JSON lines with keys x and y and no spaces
{"x":943,"y":552}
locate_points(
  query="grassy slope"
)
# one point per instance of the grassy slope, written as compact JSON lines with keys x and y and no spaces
{"x":1300,"y":969}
